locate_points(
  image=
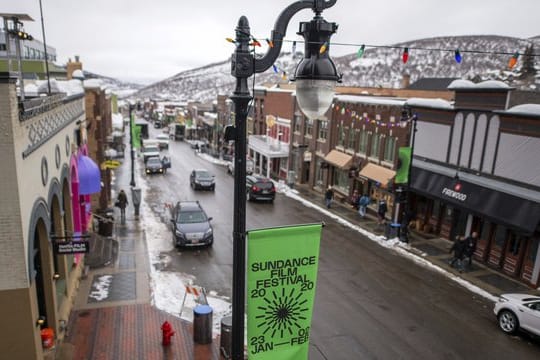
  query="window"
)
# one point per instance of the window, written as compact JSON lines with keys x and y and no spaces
{"x":308,"y":129}
{"x":323,"y":129}
{"x":533,"y":249}
{"x":341,"y":180}
{"x":375,"y":141}
{"x":362,"y":142}
{"x":341,"y":136}
{"x":297,"y":123}
{"x":515,"y":244}
{"x":500,"y":236}
{"x":3,"y":47}
{"x":351,"y":144}
{"x":390,"y":149}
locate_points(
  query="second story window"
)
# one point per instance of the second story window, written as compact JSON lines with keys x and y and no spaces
{"x":308,"y":129}
{"x":390,"y":149}
{"x":351,"y":143}
{"x":375,"y":142}
{"x":323,"y":129}
{"x":341,"y":135}
{"x":362,"y":142}
{"x":297,"y":123}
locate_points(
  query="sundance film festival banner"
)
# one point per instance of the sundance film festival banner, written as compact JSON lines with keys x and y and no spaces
{"x":282,"y":275}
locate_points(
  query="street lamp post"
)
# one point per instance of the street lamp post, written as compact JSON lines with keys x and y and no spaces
{"x":132,"y":150}
{"x":316,"y":76}
{"x":408,"y":118}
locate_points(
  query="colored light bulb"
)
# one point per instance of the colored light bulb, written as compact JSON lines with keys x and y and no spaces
{"x":405,"y":56}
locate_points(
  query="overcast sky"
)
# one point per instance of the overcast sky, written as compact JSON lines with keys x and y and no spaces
{"x":147,"y":41}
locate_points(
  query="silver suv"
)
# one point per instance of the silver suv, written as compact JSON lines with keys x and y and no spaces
{"x":190,"y":225}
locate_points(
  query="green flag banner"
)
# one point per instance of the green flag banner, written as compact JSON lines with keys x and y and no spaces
{"x":135,"y":133}
{"x":404,"y":163}
{"x":282,"y":274}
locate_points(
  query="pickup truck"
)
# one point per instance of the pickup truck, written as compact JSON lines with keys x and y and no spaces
{"x":150,"y":148}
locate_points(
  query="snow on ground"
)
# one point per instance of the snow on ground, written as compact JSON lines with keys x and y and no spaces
{"x":100,"y":288}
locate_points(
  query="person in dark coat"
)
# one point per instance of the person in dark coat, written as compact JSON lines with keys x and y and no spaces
{"x":328,"y":196}
{"x":470,"y":246}
{"x":458,"y":248}
{"x":381,"y":212}
{"x":363,"y":203}
{"x":122,"y":203}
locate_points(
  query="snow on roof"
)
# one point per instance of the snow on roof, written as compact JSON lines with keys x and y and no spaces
{"x":430,"y":103}
{"x":78,"y":74}
{"x":376,"y":100}
{"x":461,"y":84}
{"x":524,"y":109}
{"x":69,"y":87}
{"x":94,"y":83}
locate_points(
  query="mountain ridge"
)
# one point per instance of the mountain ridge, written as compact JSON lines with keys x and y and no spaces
{"x":378,"y":67}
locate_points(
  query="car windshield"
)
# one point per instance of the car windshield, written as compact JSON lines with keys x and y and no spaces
{"x":151,"y":149}
{"x":153,"y":161}
{"x":203,"y":175}
{"x":191,"y":217}
{"x":162,"y":137}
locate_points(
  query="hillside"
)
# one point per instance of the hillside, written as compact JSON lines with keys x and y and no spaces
{"x":378,"y":67}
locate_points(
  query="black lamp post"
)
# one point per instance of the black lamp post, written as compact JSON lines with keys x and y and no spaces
{"x":316,"y":67}
{"x":132,"y":151}
{"x":407,"y":117}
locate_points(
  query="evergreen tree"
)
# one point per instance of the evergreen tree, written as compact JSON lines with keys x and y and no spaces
{"x":527,"y":68}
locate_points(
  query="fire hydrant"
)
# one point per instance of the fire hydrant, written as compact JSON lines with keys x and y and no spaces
{"x":167,"y":333}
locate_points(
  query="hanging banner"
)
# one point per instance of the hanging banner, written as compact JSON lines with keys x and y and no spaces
{"x":282,"y":274}
{"x":403,"y":167}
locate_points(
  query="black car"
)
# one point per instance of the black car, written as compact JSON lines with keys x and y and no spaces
{"x":154,"y":165}
{"x":260,"y":188}
{"x":191,"y":226}
{"x":202,"y":179}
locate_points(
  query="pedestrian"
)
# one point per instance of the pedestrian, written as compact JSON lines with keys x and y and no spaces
{"x":122,"y":203}
{"x":354,"y":199}
{"x":328,"y":196}
{"x":381,"y":212}
{"x":470,"y":247}
{"x":363,"y":204}
{"x":458,"y":248}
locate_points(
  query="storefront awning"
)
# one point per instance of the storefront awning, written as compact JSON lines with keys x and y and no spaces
{"x":89,"y":176}
{"x":377,"y":173}
{"x":499,"y":206}
{"x":338,"y":159}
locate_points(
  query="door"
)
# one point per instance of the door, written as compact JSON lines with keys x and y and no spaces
{"x":529,"y":271}
{"x":483,"y":228}
{"x":498,"y":246}
{"x":514,"y":252}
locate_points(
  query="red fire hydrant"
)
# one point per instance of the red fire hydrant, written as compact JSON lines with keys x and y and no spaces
{"x":167,"y":332}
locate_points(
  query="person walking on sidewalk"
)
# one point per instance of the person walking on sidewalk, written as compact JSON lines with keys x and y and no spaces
{"x":459,"y":252}
{"x":363,"y":204}
{"x":328,"y":196}
{"x":122,"y":203}
{"x":470,"y":247}
{"x":381,"y":212}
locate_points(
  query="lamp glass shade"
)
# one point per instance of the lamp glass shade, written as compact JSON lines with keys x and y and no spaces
{"x":314,"y":96}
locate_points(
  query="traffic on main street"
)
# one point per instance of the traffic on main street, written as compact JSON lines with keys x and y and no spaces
{"x":370,"y":301}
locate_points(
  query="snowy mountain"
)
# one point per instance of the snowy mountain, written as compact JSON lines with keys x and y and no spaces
{"x":120,"y":88}
{"x":378,"y":67}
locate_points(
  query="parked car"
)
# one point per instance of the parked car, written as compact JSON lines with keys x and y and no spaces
{"x":163,"y":141}
{"x":154,"y":165}
{"x":249,"y":167}
{"x":191,"y":226}
{"x":202,"y":179}
{"x":198,"y":145}
{"x":260,"y":188}
{"x":518,"y":311}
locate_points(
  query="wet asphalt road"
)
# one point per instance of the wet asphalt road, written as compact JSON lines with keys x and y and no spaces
{"x":370,"y":303}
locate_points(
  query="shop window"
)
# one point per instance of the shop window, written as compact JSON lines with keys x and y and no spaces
{"x":514,"y":244}
{"x":533,"y":250}
{"x":341,"y":180}
{"x":500,"y":236}
{"x":436,"y":212}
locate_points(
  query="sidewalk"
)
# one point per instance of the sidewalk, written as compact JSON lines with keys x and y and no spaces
{"x":112,"y":317}
{"x":433,"y":249}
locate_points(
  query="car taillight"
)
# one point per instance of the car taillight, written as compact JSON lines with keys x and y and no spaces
{"x":255,"y":188}
{"x":273,"y":189}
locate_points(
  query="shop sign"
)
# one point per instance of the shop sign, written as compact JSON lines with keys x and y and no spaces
{"x":71,"y":247}
{"x":454,"y":194}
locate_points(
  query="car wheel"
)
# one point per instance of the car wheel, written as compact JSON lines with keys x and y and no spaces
{"x":213,"y":188}
{"x":508,"y":322}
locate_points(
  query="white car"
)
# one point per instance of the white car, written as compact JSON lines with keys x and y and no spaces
{"x":163,"y":141}
{"x":249,"y":167}
{"x":518,"y":311}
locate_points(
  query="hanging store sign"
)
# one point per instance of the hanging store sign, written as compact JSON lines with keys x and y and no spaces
{"x":71,"y":247}
{"x":281,"y":290}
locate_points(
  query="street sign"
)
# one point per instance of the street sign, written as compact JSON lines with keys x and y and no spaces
{"x":71,"y":247}
{"x":110,"y":164}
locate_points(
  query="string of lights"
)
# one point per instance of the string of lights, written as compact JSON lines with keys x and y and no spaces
{"x":405,"y":51}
